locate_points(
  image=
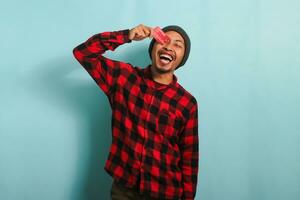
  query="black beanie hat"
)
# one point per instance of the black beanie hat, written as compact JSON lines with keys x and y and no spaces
{"x":186,"y":38}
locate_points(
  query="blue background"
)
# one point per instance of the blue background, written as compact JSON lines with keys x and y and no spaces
{"x":243,"y":70}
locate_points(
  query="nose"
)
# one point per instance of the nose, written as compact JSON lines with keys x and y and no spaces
{"x":167,"y":47}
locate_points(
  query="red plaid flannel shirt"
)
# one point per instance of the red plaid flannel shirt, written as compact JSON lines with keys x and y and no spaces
{"x":154,"y":126}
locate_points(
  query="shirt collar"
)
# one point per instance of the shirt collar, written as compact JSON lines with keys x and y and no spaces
{"x":156,"y":85}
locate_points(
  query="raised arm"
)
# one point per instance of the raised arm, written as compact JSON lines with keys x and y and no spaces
{"x":103,"y":70}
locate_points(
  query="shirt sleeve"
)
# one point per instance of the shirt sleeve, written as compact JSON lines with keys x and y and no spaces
{"x":189,"y":149}
{"x":104,"y":71}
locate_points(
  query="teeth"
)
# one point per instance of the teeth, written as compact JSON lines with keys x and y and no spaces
{"x":166,"y":56}
{"x":165,"y":61}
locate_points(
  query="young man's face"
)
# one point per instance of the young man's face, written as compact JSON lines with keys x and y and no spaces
{"x":166,"y":57}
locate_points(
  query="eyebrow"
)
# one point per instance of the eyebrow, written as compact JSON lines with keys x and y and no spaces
{"x":179,"y":41}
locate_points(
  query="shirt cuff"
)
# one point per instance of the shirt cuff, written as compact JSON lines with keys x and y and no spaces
{"x":125,"y":35}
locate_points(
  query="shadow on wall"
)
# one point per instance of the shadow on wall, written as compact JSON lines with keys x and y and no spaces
{"x":51,"y":83}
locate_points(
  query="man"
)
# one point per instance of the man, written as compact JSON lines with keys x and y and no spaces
{"x":154,"y":151}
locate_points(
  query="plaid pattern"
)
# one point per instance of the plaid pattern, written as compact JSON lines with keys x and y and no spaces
{"x":154,"y":126}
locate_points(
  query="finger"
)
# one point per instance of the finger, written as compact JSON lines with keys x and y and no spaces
{"x":138,"y":36}
{"x":146,"y":32}
{"x":151,"y":33}
{"x":137,"y":31}
{"x":148,"y":28}
{"x":141,"y":33}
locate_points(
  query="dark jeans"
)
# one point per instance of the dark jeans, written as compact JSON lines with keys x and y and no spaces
{"x":119,"y":192}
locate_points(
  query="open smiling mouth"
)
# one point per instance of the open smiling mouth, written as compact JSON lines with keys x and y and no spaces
{"x":166,"y":58}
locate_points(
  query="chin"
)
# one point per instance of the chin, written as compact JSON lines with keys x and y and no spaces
{"x":164,"y":68}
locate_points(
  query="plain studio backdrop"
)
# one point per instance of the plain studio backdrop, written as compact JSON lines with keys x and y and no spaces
{"x":243,"y":69}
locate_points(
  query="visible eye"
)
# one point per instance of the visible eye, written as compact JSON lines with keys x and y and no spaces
{"x":178,"y":45}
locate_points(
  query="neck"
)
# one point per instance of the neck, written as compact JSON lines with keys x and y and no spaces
{"x":163,"y":78}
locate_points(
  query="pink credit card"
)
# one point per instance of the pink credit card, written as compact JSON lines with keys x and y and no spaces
{"x":160,"y":36}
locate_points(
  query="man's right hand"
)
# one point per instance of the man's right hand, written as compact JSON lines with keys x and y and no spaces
{"x":140,"y":32}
